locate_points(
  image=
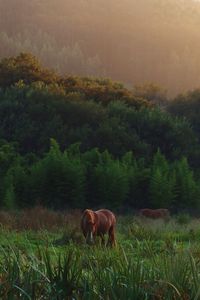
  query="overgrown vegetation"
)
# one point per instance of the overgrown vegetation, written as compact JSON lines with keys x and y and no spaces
{"x":153,"y":259}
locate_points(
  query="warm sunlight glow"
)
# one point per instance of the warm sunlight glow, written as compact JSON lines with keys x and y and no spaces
{"x":130,"y":40}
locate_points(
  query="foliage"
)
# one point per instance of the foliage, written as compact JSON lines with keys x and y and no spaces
{"x":151,"y":92}
{"x":107,"y":115}
{"x":183,"y":218}
{"x":188,"y":106}
{"x":24,"y":67}
{"x":109,"y":146}
{"x":162,"y":182}
{"x":72,"y":179}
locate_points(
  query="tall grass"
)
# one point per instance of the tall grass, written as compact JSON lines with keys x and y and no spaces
{"x":153,"y":260}
{"x":98,"y":274}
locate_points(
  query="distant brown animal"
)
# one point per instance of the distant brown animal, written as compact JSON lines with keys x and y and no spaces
{"x":155,"y":213}
{"x":98,"y":223}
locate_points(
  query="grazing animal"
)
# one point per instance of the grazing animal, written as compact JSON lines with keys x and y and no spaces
{"x":98,"y":223}
{"x":155,"y":213}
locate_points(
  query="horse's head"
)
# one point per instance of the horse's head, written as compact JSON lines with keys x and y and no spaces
{"x":89,"y":225}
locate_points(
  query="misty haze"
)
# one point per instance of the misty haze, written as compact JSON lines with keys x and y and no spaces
{"x":130,"y":41}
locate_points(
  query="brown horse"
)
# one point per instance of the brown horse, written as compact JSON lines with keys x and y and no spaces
{"x":155,"y":213}
{"x":98,"y":223}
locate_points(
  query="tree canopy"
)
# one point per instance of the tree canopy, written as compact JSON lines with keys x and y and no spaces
{"x":70,"y":141}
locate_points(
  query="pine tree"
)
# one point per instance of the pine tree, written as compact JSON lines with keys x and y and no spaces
{"x":162,"y":182}
{"x":186,"y":186}
{"x":111,"y":181}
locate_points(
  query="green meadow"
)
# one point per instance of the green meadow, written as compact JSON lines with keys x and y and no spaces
{"x":49,"y":259}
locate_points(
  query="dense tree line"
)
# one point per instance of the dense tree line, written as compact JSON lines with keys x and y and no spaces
{"x":72,"y":179}
{"x":36,"y":104}
{"x":188,"y":106}
{"x":109,"y":145}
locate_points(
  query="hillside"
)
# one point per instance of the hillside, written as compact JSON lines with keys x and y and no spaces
{"x":70,"y":141}
{"x":130,"y":41}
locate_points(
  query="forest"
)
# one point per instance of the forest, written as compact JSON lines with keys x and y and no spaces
{"x":70,"y":142}
{"x":130,"y":41}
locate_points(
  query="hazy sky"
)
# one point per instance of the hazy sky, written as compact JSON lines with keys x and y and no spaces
{"x":131,"y":41}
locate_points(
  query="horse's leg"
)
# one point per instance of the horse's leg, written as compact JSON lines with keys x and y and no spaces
{"x":111,"y":238}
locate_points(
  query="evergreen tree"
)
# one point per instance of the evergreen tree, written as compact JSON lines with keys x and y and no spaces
{"x":162,"y":182}
{"x":111,"y":182}
{"x":186,"y":187}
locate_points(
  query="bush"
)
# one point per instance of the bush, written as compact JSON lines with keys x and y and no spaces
{"x":183,"y":219}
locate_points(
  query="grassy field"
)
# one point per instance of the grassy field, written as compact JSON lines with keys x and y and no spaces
{"x":44,"y":256}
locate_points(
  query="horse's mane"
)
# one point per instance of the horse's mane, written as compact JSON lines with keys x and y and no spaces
{"x":89,"y":215}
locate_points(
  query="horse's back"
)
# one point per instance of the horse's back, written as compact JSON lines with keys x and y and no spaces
{"x":155,"y":213}
{"x":106,"y":220}
{"x":105,"y":213}
{"x":146,"y":212}
{"x":164,"y":212}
